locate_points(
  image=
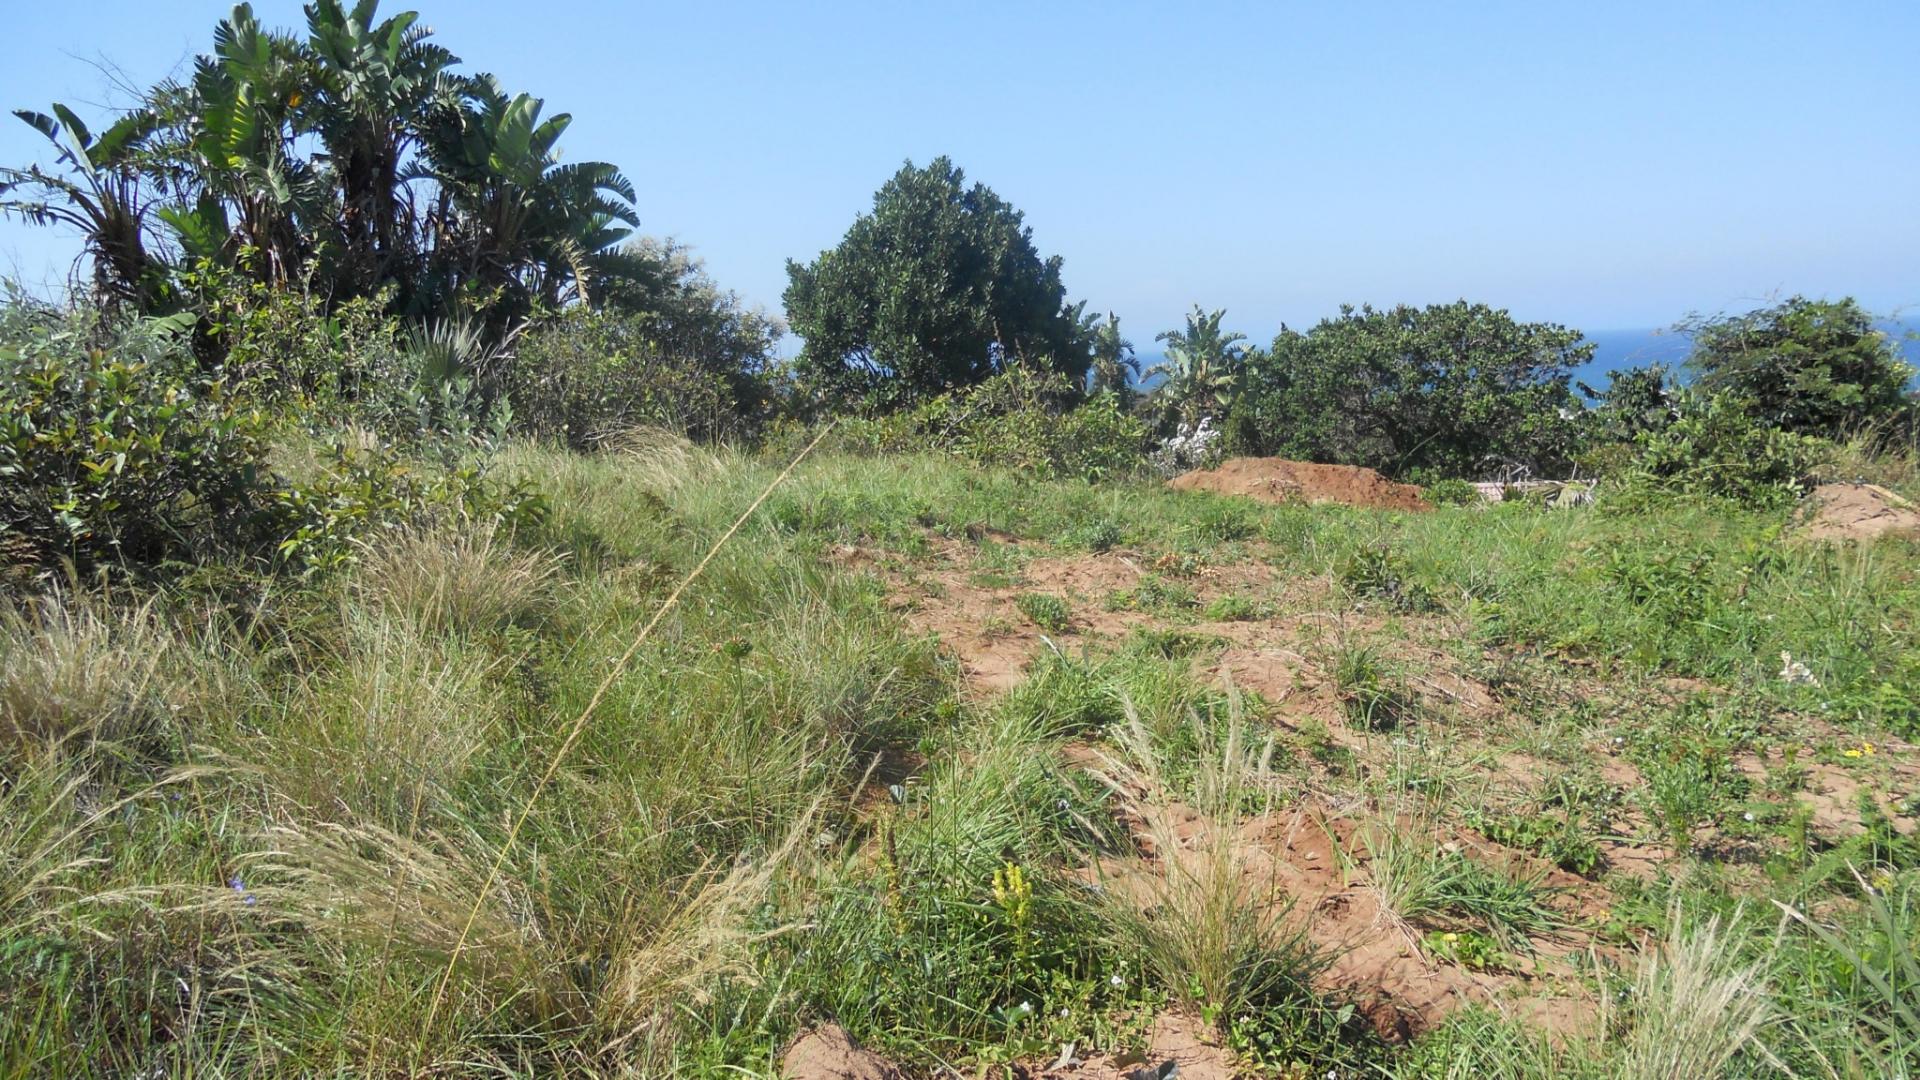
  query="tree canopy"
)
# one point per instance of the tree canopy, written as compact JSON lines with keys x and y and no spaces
{"x":351,"y":161}
{"x":1451,"y":389}
{"x":938,"y":287}
{"x":1815,"y":367}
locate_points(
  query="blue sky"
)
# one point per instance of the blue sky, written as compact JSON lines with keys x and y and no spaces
{"x":1604,"y":165}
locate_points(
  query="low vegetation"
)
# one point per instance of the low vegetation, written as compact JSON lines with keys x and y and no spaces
{"x":438,"y":637}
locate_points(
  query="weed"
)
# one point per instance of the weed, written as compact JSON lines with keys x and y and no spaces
{"x":1097,"y":537}
{"x":1156,"y":595}
{"x":1374,"y":696}
{"x":1232,"y":608}
{"x":1557,"y":836}
{"x":1378,"y":572}
{"x":1213,"y":935}
{"x":1045,"y":610}
{"x":1422,"y":883}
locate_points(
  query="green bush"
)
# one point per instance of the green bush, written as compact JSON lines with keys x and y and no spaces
{"x":1716,"y":448}
{"x":1451,"y":492}
{"x":324,"y":522}
{"x":1813,"y":367}
{"x":587,"y":376}
{"x":115,"y":448}
{"x":1047,"y":611}
{"x":1020,"y":418}
{"x":1454,"y":389}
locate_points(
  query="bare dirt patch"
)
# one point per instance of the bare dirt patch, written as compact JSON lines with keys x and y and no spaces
{"x":1278,"y":480}
{"x":1176,"y":1037}
{"x":1315,"y":867}
{"x":978,"y":618}
{"x":1857,"y":512}
{"x":829,"y":1053}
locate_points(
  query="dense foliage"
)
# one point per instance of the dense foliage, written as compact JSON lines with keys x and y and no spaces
{"x":1204,"y":371}
{"x":1450,"y":390}
{"x":1814,"y":367}
{"x":936,"y":289}
{"x":118,"y":449}
{"x":352,"y":161}
{"x":1018,"y":417}
{"x":587,"y":377}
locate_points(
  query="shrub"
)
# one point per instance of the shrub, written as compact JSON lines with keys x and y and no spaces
{"x":1020,"y":418}
{"x":1459,"y":389}
{"x":1048,"y":612}
{"x":1717,"y":448}
{"x":325,"y":522}
{"x":587,"y":376}
{"x":115,"y":448}
{"x":1231,"y":609}
{"x":1451,"y":492}
{"x":1807,"y":366}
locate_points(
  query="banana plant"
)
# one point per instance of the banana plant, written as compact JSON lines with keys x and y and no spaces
{"x":103,"y":194}
{"x":378,"y":88}
{"x":516,"y":219}
{"x":1203,"y":368}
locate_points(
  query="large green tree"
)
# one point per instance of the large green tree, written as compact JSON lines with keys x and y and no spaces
{"x":938,"y":287}
{"x":1815,"y":367}
{"x":1452,"y":389}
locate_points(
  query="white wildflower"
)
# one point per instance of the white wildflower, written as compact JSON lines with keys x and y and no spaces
{"x":1795,"y":673}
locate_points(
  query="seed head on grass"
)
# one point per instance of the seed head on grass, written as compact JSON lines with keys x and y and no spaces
{"x":465,"y":579}
{"x":1697,"y":1005}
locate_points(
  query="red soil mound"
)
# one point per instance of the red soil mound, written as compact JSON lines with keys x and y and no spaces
{"x":829,"y":1053}
{"x":1280,"y":480}
{"x":1840,"y":512}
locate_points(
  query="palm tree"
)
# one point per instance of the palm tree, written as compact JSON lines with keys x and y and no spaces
{"x":1116,"y":369}
{"x":377,"y":88}
{"x":511,"y":218}
{"x":105,"y":196}
{"x":347,"y":161}
{"x":239,"y":184}
{"x":1203,"y":367}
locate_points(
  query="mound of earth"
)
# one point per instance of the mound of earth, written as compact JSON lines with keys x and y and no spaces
{"x":829,"y":1053}
{"x":1280,"y":480}
{"x":1864,"y":512}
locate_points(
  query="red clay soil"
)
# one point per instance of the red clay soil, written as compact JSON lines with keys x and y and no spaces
{"x":829,"y":1053}
{"x":1862,"y":512}
{"x":1279,"y":480}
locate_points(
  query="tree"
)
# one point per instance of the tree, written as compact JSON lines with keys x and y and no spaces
{"x":938,"y":287}
{"x":1455,"y":390}
{"x":348,"y":163}
{"x":1115,"y":366}
{"x":105,"y":195}
{"x":1813,"y":367}
{"x":1203,"y":368}
{"x":689,"y":318}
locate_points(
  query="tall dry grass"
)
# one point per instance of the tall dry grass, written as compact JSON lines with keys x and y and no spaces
{"x":1698,"y":1005}
{"x":82,"y":668}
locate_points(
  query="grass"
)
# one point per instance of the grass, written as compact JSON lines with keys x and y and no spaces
{"x":1206,"y":926}
{"x":244,"y":820}
{"x":1422,"y":882}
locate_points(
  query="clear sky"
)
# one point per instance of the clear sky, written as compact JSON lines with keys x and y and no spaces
{"x":1606,"y":165}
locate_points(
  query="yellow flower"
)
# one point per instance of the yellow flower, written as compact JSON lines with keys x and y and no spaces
{"x":1852,"y":753}
{"x":1449,"y":936}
